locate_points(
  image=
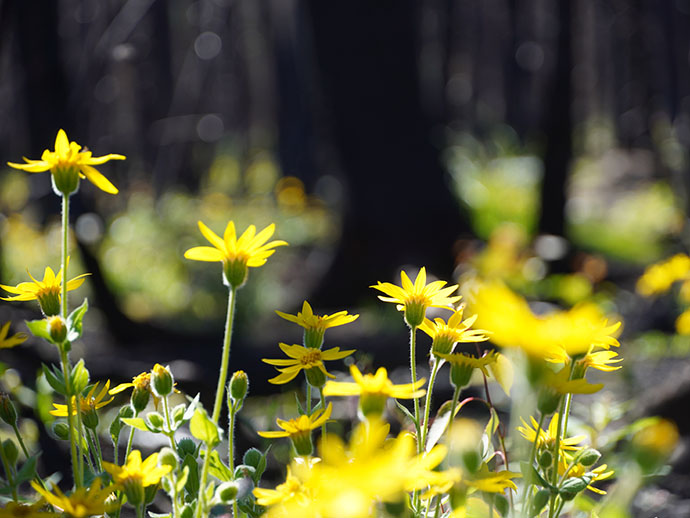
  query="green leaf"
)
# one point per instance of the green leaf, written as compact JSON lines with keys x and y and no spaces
{"x":28,"y":470}
{"x":218,"y":469}
{"x":191,"y":408}
{"x":74,"y":324}
{"x":182,"y":479}
{"x":55,"y":379}
{"x":138,"y":423}
{"x":404,"y":410}
{"x":116,"y":426}
{"x":79,"y":377}
{"x":192,"y":483}
{"x":202,"y":428}
{"x":40,"y":329}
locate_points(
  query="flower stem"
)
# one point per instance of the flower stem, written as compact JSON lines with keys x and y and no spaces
{"x":323,"y":406}
{"x":231,"y":449}
{"x":427,"y":404}
{"x":453,"y":406}
{"x":533,"y":452}
{"x":71,"y":411}
{"x":223,"y":375}
{"x":170,"y":433}
{"x":38,"y":479}
{"x":8,"y":474}
{"x":307,"y":399}
{"x":413,"y":373}
{"x":201,"y":500}
{"x":65,"y":238}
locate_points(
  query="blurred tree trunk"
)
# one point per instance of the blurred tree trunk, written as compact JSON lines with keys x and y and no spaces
{"x":558,"y":128}
{"x":399,"y":207}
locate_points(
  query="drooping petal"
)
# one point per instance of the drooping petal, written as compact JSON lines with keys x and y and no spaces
{"x":97,"y":160}
{"x":204,"y":253}
{"x":95,"y":177}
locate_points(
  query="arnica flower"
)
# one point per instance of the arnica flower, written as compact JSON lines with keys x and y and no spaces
{"x":17,"y":510}
{"x":142,"y":391}
{"x":445,"y":335}
{"x":290,"y":493}
{"x":491,"y":481}
{"x":546,"y":440}
{"x":82,"y":502}
{"x":597,"y":474}
{"x":236,"y":254}
{"x":315,"y":325}
{"x":87,"y":405}
{"x":373,"y":390}
{"x":67,"y":164}
{"x":414,"y":299}
{"x":308,"y":360}
{"x":6,"y":342}
{"x":299,"y":430}
{"x":659,"y":277}
{"x":47,"y":291}
{"x":136,"y":475}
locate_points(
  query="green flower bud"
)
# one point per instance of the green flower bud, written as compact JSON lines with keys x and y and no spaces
{"x":239,"y":384}
{"x":61,"y":430}
{"x":11,"y":451}
{"x":58,"y":329}
{"x":252,"y":457}
{"x":227,"y":492}
{"x":65,"y":180}
{"x":90,"y":418}
{"x":235,"y":273}
{"x":186,"y":447}
{"x":167,"y":457}
{"x":414,"y":314}
{"x":548,"y":401}
{"x":139,"y":399}
{"x":7,"y":411}
{"x":162,"y":380}
{"x":155,"y":420}
{"x":315,"y":377}
{"x":460,"y":374}
{"x":589,"y":457}
{"x":571,"y":487}
{"x":545,"y":459}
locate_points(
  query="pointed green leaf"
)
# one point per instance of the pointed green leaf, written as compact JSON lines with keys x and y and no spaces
{"x":74,"y":321}
{"x":79,"y":377}
{"x":218,"y":469}
{"x":55,"y":379}
{"x":192,"y":484}
{"x":138,"y":423}
{"x":40,"y":329}
{"x":203,"y":428}
{"x":28,"y":470}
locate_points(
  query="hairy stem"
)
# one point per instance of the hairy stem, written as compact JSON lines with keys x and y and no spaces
{"x":223,"y":374}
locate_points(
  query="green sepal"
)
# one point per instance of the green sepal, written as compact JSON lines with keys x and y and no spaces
{"x":572,"y":486}
{"x":74,"y":321}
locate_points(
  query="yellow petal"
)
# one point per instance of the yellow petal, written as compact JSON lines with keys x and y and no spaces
{"x":204,"y":253}
{"x":212,"y":237}
{"x":61,"y":143}
{"x":96,"y":178}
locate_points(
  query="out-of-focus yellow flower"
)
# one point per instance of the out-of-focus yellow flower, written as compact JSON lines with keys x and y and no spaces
{"x":683,"y":323}
{"x":82,"y":502}
{"x":250,"y":250}
{"x":7,"y":342}
{"x":136,"y":475}
{"x":415,"y":298}
{"x":492,"y":482}
{"x":315,"y":325}
{"x":547,"y":437}
{"x":17,"y":510}
{"x":88,"y":403}
{"x":68,"y":163}
{"x":445,"y":335}
{"x":660,"y":437}
{"x":307,"y":359}
{"x":373,"y":390}
{"x":598,"y":473}
{"x":658,"y":277}
{"x":291,"y":494}
{"x":47,"y":291}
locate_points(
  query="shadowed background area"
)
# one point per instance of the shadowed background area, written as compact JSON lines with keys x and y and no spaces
{"x":375,"y":135}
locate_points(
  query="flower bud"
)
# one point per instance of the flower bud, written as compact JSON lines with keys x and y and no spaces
{"x":545,"y":459}
{"x":11,"y":451}
{"x":414,"y":314}
{"x":187,"y":447}
{"x":167,"y":457}
{"x":460,"y":374}
{"x":139,"y":399}
{"x":58,"y":329}
{"x":61,"y":430}
{"x":7,"y":411}
{"x":547,"y":401}
{"x":65,"y":180}
{"x":589,"y":457}
{"x":239,"y":384}
{"x":315,"y":377}
{"x":90,"y":418}
{"x":162,"y":380}
{"x":235,"y":273}
{"x":227,"y":492}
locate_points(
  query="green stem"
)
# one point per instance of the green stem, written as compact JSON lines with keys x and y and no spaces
{"x":8,"y":473}
{"x":231,"y":450}
{"x":413,"y":374}
{"x":307,"y":399}
{"x":71,"y":413}
{"x":140,"y":511}
{"x":533,"y":452}
{"x":38,"y":479}
{"x":323,"y":406}
{"x":94,"y":447}
{"x":65,"y":236}
{"x":223,"y":375}
{"x":128,"y":450}
{"x":554,"y":467}
{"x":170,"y":433}
{"x":427,"y":404}
{"x":201,"y":499}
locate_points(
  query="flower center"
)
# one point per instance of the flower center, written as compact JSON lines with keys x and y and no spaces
{"x":311,"y":358}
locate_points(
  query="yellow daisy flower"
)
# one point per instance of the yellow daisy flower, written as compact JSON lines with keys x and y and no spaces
{"x":68,"y":163}
{"x":291,"y":492}
{"x":445,"y":335}
{"x":6,"y":342}
{"x":315,"y":325}
{"x":307,"y":359}
{"x":415,"y":298}
{"x":598,"y":473}
{"x":373,"y":390}
{"x":46,"y":292}
{"x":141,"y":383}
{"x":236,"y":254}
{"x":135,"y":475}
{"x":547,"y":437}
{"x":82,"y":502}
{"x":299,"y":430}
{"x":493,"y":482}
{"x":462,"y":365}
{"x":17,"y":510}
{"x":88,"y":403}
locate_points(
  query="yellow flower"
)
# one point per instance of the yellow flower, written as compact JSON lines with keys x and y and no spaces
{"x":236,"y":254}
{"x":82,"y":502}
{"x":47,"y":291}
{"x":289,"y":493}
{"x":315,"y":325}
{"x":135,"y":475}
{"x":68,"y":163}
{"x":373,"y":390}
{"x":659,"y":277}
{"x":445,"y":335}
{"x":17,"y":510}
{"x":683,"y":323}
{"x":547,"y":437}
{"x":415,"y":298}
{"x":88,"y":403}
{"x":493,"y":482}
{"x":309,"y":360}
{"x":6,"y":341}
{"x":598,"y":473}
{"x":142,"y":391}
{"x":299,"y":430}
{"x":463,"y":364}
